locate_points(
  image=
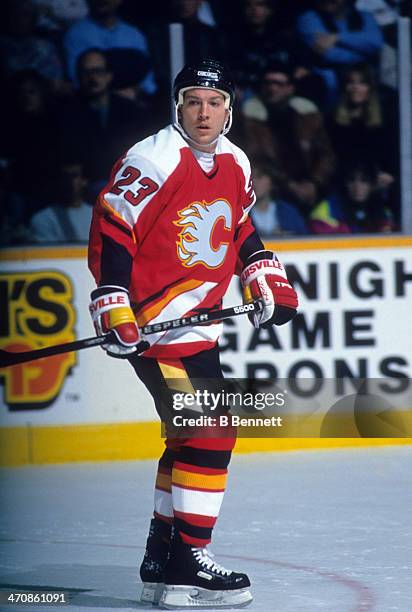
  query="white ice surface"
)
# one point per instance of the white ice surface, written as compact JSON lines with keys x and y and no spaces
{"x":316,"y":531}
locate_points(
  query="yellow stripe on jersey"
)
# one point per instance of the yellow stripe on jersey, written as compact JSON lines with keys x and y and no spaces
{"x":104,"y":204}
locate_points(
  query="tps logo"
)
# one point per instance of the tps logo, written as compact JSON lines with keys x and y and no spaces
{"x":36,"y":311}
{"x":205,"y":234}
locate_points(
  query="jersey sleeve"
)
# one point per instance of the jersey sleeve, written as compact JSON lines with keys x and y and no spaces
{"x":248,"y":197}
{"x":247,"y":241}
{"x":245,"y":231}
{"x":114,"y":236}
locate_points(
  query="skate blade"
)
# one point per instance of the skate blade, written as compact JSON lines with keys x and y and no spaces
{"x":152,"y":592}
{"x":193,"y":597}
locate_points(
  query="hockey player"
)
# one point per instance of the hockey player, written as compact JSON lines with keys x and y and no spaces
{"x":169,"y":231}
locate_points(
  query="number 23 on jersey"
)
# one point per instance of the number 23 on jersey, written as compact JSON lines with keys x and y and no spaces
{"x":129,"y":176}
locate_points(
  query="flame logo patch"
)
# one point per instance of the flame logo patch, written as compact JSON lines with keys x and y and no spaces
{"x":204,"y":227}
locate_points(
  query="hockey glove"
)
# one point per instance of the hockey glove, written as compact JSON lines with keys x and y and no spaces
{"x":111,"y":312}
{"x":264,"y":278}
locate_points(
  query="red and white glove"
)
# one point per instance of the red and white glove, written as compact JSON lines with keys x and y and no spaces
{"x":264,"y":278}
{"x":111,"y":311}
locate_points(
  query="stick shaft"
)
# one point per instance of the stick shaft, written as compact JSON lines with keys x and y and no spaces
{"x":9,"y":359}
{"x":202,"y":319}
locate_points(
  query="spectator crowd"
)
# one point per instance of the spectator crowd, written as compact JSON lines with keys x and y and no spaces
{"x":315,"y":110}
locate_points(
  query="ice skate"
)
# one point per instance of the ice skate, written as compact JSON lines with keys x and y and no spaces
{"x":194,"y":580}
{"x":154,"y":561}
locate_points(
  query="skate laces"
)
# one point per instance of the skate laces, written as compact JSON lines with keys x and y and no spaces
{"x":205,"y":558}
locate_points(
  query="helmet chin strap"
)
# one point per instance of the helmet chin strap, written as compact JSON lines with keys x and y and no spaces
{"x":186,"y":136}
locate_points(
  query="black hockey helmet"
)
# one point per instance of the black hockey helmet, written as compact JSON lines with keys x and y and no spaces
{"x":207,"y":73}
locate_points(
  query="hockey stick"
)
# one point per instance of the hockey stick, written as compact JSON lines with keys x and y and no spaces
{"x":9,"y":359}
{"x":201,"y":319}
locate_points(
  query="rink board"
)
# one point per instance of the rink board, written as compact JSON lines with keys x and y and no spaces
{"x":355,"y":299}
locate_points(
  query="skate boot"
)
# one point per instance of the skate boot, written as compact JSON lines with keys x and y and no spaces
{"x":154,"y":561}
{"x":194,"y":580}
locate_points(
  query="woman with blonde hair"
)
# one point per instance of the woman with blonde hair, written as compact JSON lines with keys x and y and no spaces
{"x":360,"y":127}
{"x":359,"y":98}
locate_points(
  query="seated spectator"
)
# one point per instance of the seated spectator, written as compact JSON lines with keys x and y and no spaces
{"x":98,"y":126}
{"x":256,"y":40}
{"x":11,"y":232}
{"x":124,"y":44}
{"x":362,"y":127}
{"x":260,"y":38}
{"x":250,"y":131}
{"x":55,"y":15}
{"x":199,"y":40}
{"x":22,"y":49}
{"x":271,"y":215}
{"x":228,"y":13}
{"x":357,"y":208}
{"x":29,"y":143}
{"x":299,"y":145}
{"x":68,"y":220}
{"x":337,"y":35}
{"x":386,"y":14}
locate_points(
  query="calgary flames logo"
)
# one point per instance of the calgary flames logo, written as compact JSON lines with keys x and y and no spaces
{"x":201,"y":240}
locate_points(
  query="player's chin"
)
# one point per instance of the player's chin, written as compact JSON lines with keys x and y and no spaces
{"x":205,"y":136}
